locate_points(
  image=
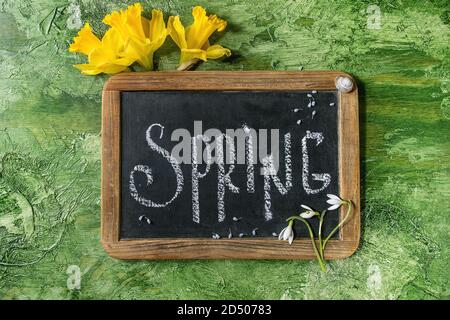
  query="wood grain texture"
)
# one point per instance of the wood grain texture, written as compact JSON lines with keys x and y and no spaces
{"x":349,"y":169}
{"x":231,"y":80}
{"x":178,"y":248}
{"x":110,"y":166}
{"x":205,"y":248}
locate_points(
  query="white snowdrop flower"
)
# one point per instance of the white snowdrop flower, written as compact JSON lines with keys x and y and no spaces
{"x":287,"y":234}
{"x":236,"y":218}
{"x":215,"y":236}
{"x":309,"y":213}
{"x":335,"y":201}
{"x":254,"y":231}
{"x":274,"y":234}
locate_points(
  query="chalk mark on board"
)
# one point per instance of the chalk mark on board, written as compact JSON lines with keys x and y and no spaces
{"x":196,"y":175}
{"x":271,"y":175}
{"x":324,"y":177}
{"x":147,"y":171}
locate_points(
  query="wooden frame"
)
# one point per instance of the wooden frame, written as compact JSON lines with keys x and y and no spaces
{"x":207,"y":248}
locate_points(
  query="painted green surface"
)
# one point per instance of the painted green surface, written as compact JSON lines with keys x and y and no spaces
{"x":50,"y":151}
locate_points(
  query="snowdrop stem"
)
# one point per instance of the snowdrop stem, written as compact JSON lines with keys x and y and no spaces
{"x":347,"y":215}
{"x":311,"y":235}
{"x":321,"y":217}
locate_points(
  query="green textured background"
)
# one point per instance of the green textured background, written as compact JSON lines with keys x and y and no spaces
{"x":50,"y":150}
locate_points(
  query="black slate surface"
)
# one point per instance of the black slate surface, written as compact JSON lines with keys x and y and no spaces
{"x":223,"y":110}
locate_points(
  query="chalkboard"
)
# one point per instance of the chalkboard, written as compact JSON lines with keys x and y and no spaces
{"x":210,"y":165}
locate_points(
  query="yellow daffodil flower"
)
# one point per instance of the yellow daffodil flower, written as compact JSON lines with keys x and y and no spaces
{"x":104,"y":56}
{"x":143,"y":36}
{"x":193,"y":41}
{"x":133,"y":38}
{"x":85,"y":41}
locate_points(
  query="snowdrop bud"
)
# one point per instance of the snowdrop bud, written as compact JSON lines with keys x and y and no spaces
{"x":309,"y":213}
{"x":287,"y":234}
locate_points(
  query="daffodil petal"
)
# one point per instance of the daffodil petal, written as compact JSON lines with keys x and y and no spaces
{"x":100,"y":55}
{"x":217,"y":51}
{"x":123,"y":62}
{"x":112,"y":42}
{"x":146,"y":27}
{"x":111,"y":51}
{"x":190,"y":54}
{"x":177,"y":32}
{"x":110,"y":68}
{"x":158,"y":30}
{"x":142,"y":52}
{"x":92,"y":70}
{"x":87,"y":69}
{"x":85,"y":41}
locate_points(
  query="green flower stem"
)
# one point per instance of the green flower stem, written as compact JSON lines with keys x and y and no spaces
{"x":319,"y":258}
{"x":349,"y":211}
{"x":321,"y":217}
{"x":188,"y":65}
